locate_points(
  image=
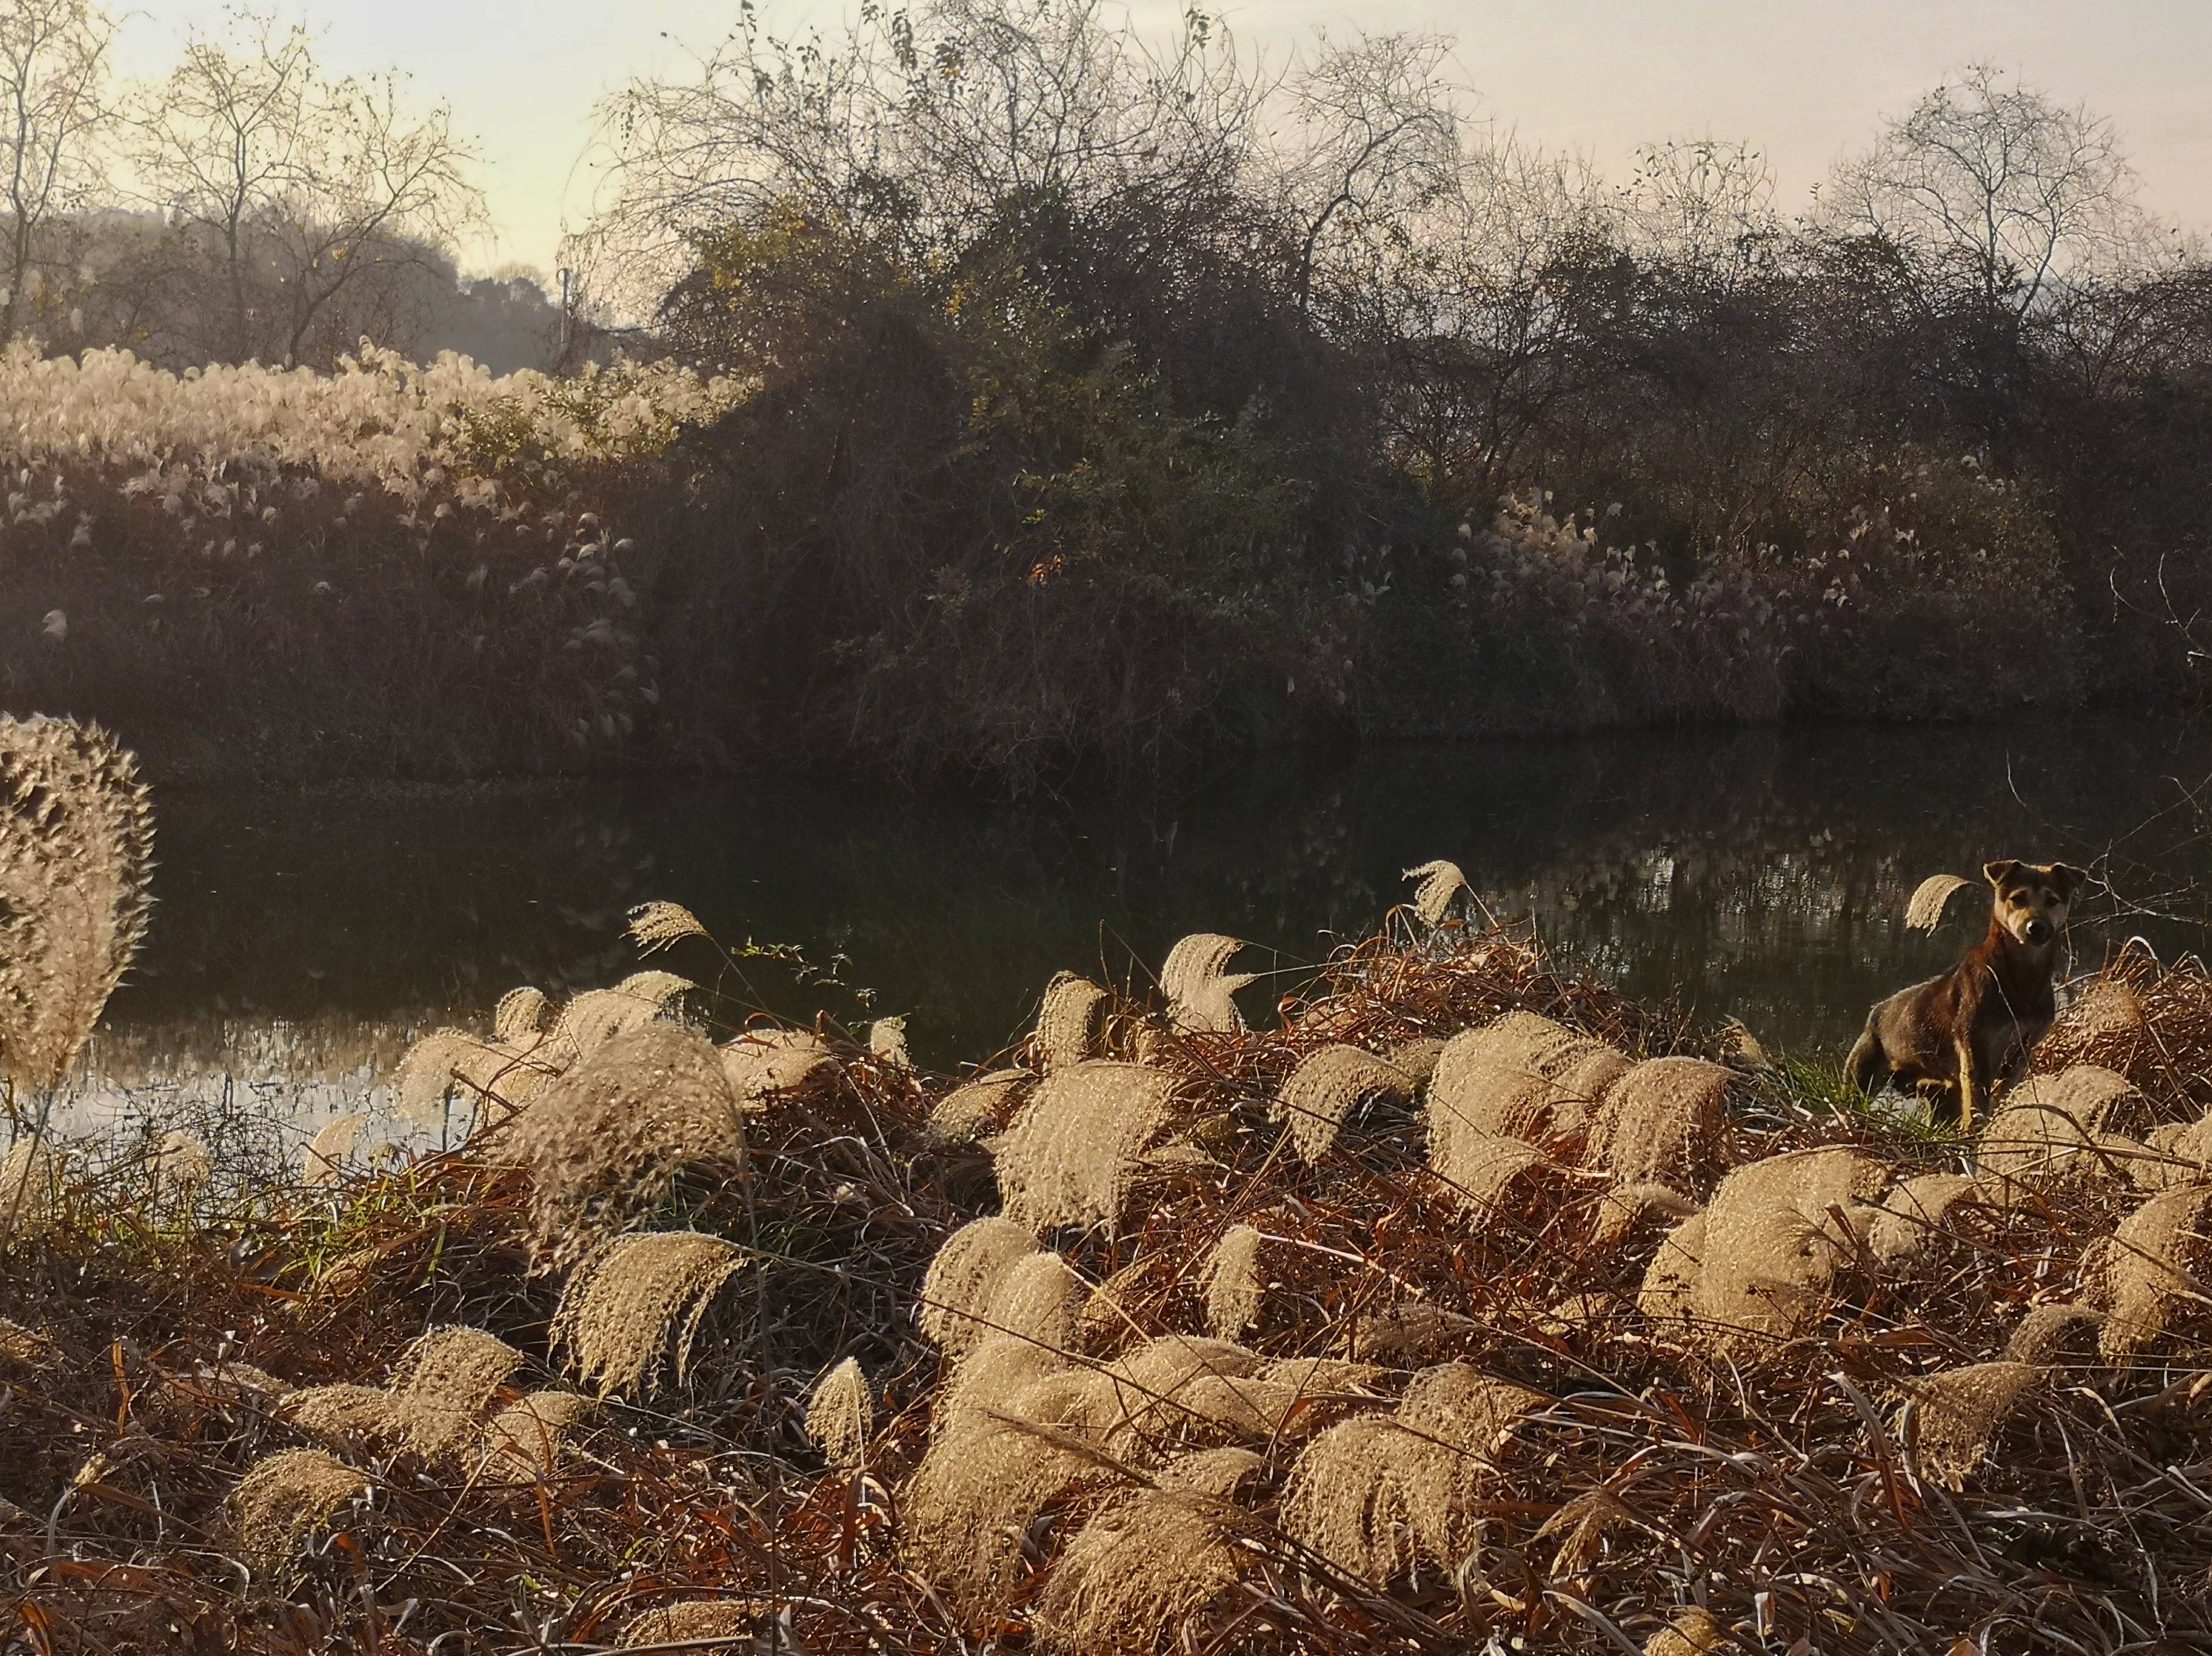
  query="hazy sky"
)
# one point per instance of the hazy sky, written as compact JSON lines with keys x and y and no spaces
{"x":1804,"y":79}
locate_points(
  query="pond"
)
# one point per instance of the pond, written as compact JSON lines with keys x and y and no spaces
{"x":1759,"y":874}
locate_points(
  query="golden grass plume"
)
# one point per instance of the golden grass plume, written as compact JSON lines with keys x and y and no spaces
{"x":1201,"y":995}
{"x":524,"y":1441}
{"x":324,"y":1162}
{"x":1441,"y":881}
{"x":1692,"y":1632}
{"x":2063,"y":1125}
{"x":762,"y":1065}
{"x":887,"y":1040}
{"x":964,"y":1276}
{"x":286,"y":1498}
{"x":1955,"y":1414}
{"x":181,"y":1166}
{"x":1234,"y":1288}
{"x":703,"y":1623}
{"x":1773,"y":1245}
{"x":1924,"y":910}
{"x":76,"y":849}
{"x":597,"y":1015}
{"x":1321,"y":1092}
{"x":2150,"y":1267}
{"x":840,"y":1416}
{"x":1072,"y":1154}
{"x":661,"y":925}
{"x":1662,"y":1123}
{"x":1145,"y":1564}
{"x":637,"y":1300}
{"x":1069,"y":1021}
{"x":963,"y":1114}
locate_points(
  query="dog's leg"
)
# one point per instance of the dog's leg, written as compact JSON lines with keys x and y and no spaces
{"x":1867,"y":1066}
{"x":1965,"y":1050}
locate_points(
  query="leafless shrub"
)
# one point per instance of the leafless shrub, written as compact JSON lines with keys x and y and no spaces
{"x":626,"y":1303}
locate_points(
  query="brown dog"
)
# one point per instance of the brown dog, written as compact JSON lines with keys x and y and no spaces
{"x":1963,"y":1034}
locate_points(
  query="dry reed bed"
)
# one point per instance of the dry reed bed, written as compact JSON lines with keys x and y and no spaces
{"x":1288,"y":1350}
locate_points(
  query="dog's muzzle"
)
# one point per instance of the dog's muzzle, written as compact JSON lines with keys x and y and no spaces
{"x":2039,"y":931}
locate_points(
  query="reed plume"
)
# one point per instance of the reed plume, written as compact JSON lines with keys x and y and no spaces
{"x":1201,"y":996}
{"x":659,"y":925}
{"x":1955,"y":1414}
{"x":1906,"y":1224}
{"x":1072,"y":1154}
{"x":1625,"y":1207}
{"x":700,"y":1624}
{"x":1038,"y":1298}
{"x":1485,"y":1170}
{"x":840,"y":1416}
{"x":1417,"y":1057}
{"x":2150,"y":1267}
{"x":1321,"y":1092}
{"x":638,"y":1299}
{"x":1145,"y":1564}
{"x":963,"y":1276}
{"x":445,"y":1380}
{"x":524,"y":1441}
{"x":1441,"y":881}
{"x":986,"y":1476}
{"x":1924,"y":912}
{"x":1231,"y":1276}
{"x":2106,"y":1025}
{"x":322,"y":1163}
{"x":608,"y":1136}
{"x":2054,"y":1127}
{"x":597,"y":1015}
{"x":520,"y":1016}
{"x":1662,"y":1123}
{"x":1069,"y":1021}
{"x":286,"y":1498}
{"x":27,"y":1348}
{"x":1692,"y":1632}
{"x":963,"y":1114}
{"x":76,"y":847}
{"x":887,"y":1040}
{"x":2047,"y":1330}
{"x":762,"y":1065}
{"x":447,"y":1062}
{"x":182,"y":1167}
{"x":1773,"y":1245}
{"x":1669,"y":1292}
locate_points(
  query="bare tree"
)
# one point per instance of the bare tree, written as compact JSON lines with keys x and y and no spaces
{"x":1996,"y":189}
{"x":1702,"y":204}
{"x":53,"y":65}
{"x":302,"y":193}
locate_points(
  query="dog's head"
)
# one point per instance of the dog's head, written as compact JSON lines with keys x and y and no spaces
{"x":2032,"y":898}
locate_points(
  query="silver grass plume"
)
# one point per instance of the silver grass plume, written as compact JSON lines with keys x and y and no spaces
{"x":1441,"y":881}
{"x":1201,"y":995}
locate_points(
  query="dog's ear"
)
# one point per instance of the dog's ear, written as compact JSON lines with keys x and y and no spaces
{"x":2068,"y":879}
{"x":1997,"y":873}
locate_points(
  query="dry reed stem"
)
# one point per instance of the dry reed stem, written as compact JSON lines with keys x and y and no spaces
{"x":1924,"y":913}
{"x":840,"y":1416}
{"x":322,"y":1163}
{"x":1230,"y":1277}
{"x":1069,"y":1021}
{"x":76,"y":845}
{"x":1321,"y":1092}
{"x":660,"y":924}
{"x":2149,"y":1268}
{"x":28,"y":1347}
{"x":624,"y":1305}
{"x":525,"y":1440}
{"x":1441,"y":881}
{"x":606,"y":1138}
{"x":286,"y":1498}
{"x":1955,"y":1415}
{"x":1143,"y":1565}
{"x":1661,"y":1124}
{"x":30,"y":1189}
{"x":1072,"y":1154}
{"x":963,"y":1114}
{"x":1201,"y":996}
{"x":963,"y":1276}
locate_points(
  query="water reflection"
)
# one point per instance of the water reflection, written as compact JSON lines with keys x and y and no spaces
{"x":1759,"y":874}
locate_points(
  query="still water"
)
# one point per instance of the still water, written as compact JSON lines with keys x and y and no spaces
{"x":1757,"y":874}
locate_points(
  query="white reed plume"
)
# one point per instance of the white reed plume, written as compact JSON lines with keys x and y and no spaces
{"x":1072,"y":1154}
{"x":637,"y":1300}
{"x":1201,"y":996}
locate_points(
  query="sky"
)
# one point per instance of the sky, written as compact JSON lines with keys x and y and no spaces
{"x":1805,"y":81}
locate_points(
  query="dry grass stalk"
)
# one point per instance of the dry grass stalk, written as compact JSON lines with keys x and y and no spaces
{"x":1661,"y":1124}
{"x":763,"y":1064}
{"x":1692,"y":1632}
{"x":964,"y":1277}
{"x":76,"y":846}
{"x":1441,"y":881}
{"x":1924,"y":913}
{"x":1321,"y":1092}
{"x":969,"y":1108}
{"x":285,"y":1499}
{"x":840,"y":1416}
{"x":2149,"y":1268}
{"x":1145,"y":1564}
{"x":1069,"y":1021}
{"x":659,"y":925}
{"x":2049,"y":1329}
{"x":30,"y":1188}
{"x":1231,"y":1276}
{"x":322,"y":1163}
{"x":524,"y":1441}
{"x":1957,"y":1413}
{"x":1071,"y":1154}
{"x":27,"y":1348}
{"x":696,"y":1623}
{"x":1201,"y":996}
{"x":2055,"y":1126}
{"x":606,"y":1138}
{"x":623,"y":1306}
